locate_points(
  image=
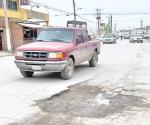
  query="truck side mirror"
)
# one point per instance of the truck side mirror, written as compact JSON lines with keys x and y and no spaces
{"x":79,"y":40}
{"x":89,"y":36}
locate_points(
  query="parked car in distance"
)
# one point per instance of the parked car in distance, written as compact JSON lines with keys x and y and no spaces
{"x":126,"y":36}
{"x":109,"y":38}
{"x":100,"y":38}
{"x":57,"y":50}
{"x":146,"y":36}
{"x":136,"y":38}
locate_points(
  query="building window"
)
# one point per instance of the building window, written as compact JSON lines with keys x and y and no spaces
{"x":1,"y":3}
{"x":12,"y":5}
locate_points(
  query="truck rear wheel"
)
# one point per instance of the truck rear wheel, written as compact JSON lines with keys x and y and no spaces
{"x":67,"y":73}
{"x":94,"y":60}
{"x":27,"y":73}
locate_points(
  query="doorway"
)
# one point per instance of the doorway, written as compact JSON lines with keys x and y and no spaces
{"x":1,"y":40}
{"x":1,"y":45}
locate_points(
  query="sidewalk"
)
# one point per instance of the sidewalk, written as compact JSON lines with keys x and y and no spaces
{"x":5,"y":53}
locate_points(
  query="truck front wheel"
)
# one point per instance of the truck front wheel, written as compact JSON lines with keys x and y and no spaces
{"x":94,"y":60}
{"x":26,"y":73}
{"x":67,"y":73}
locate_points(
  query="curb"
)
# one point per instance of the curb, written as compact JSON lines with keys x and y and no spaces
{"x":4,"y":55}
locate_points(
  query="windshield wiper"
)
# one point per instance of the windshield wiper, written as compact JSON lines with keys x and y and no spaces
{"x":57,"y":40}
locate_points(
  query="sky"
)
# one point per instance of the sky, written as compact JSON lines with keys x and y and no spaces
{"x":107,"y":6}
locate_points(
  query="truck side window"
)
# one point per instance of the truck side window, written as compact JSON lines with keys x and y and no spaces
{"x":79,"y":37}
{"x":85,"y":36}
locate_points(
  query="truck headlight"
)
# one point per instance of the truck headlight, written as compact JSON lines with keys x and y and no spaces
{"x":56,"y":55}
{"x":19,"y":54}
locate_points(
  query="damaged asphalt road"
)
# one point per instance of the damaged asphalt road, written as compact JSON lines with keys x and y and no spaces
{"x":118,"y":95}
{"x":82,"y":101}
{"x":90,"y":101}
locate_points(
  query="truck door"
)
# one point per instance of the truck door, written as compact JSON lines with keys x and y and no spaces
{"x":1,"y":42}
{"x":80,"y":51}
{"x":89,"y":47}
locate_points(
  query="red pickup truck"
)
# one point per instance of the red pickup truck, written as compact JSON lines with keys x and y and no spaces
{"x":57,"y":50}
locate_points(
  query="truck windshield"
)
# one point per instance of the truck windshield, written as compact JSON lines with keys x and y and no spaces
{"x":109,"y":35}
{"x":56,"y":35}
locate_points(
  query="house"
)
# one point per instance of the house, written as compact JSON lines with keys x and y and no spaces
{"x":22,"y":30}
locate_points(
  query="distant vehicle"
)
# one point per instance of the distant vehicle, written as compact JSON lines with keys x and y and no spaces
{"x":146,"y":36}
{"x":109,"y":38}
{"x":57,"y":50}
{"x":100,"y":38}
{"x":136,"y":38}
{"x":116,"y":36}
{"x":126,"y":36}
{"x":142,"y":34}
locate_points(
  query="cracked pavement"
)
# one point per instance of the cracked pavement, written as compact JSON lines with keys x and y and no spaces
{"x":118,"y":93}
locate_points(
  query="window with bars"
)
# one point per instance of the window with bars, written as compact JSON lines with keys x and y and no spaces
{"x":12,"y":5}
{"x":1,"y":3}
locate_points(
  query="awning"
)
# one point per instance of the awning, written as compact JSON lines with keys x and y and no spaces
{"x":34,"y":26}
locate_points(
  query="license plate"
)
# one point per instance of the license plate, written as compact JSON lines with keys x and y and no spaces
{"x":37,"y":68}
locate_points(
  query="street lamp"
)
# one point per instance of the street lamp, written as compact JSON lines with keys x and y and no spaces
{"x":37,"y":6}
{"x":68,"y":14}
{"x":47,"y":9}
{"x":79,"y":8}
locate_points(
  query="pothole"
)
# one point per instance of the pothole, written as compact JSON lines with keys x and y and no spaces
{"x":89,"y":101}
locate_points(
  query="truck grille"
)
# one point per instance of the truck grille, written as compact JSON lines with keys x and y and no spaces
{"x":36,"y":55}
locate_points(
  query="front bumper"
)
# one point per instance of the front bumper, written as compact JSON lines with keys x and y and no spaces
{"x":53,"y":66}
{"x":137,"y":40}
{"x":108,"y":41}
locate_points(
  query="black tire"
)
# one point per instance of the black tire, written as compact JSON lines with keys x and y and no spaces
{"x":27,"y":73}
{"x":93,"y":61}
{"x":68,"y":72}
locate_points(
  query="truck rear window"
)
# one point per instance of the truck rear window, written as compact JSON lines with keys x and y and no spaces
{"x":56,"y":35}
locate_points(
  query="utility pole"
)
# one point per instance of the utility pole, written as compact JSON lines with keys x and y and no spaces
{"x":7,"y":26}
{"x":115,"y":27}
{"x":110,"y":24}
{"x":74,"y":10}
{"x":141,"y":24}
{"x":98,"y":18}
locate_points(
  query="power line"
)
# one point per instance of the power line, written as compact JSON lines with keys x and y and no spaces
{"x":51,"y":8}
{"x":89,"y":14}
{"x":116,"y":13}
{"x":103,"y":13}
{"x":85,"y":19}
